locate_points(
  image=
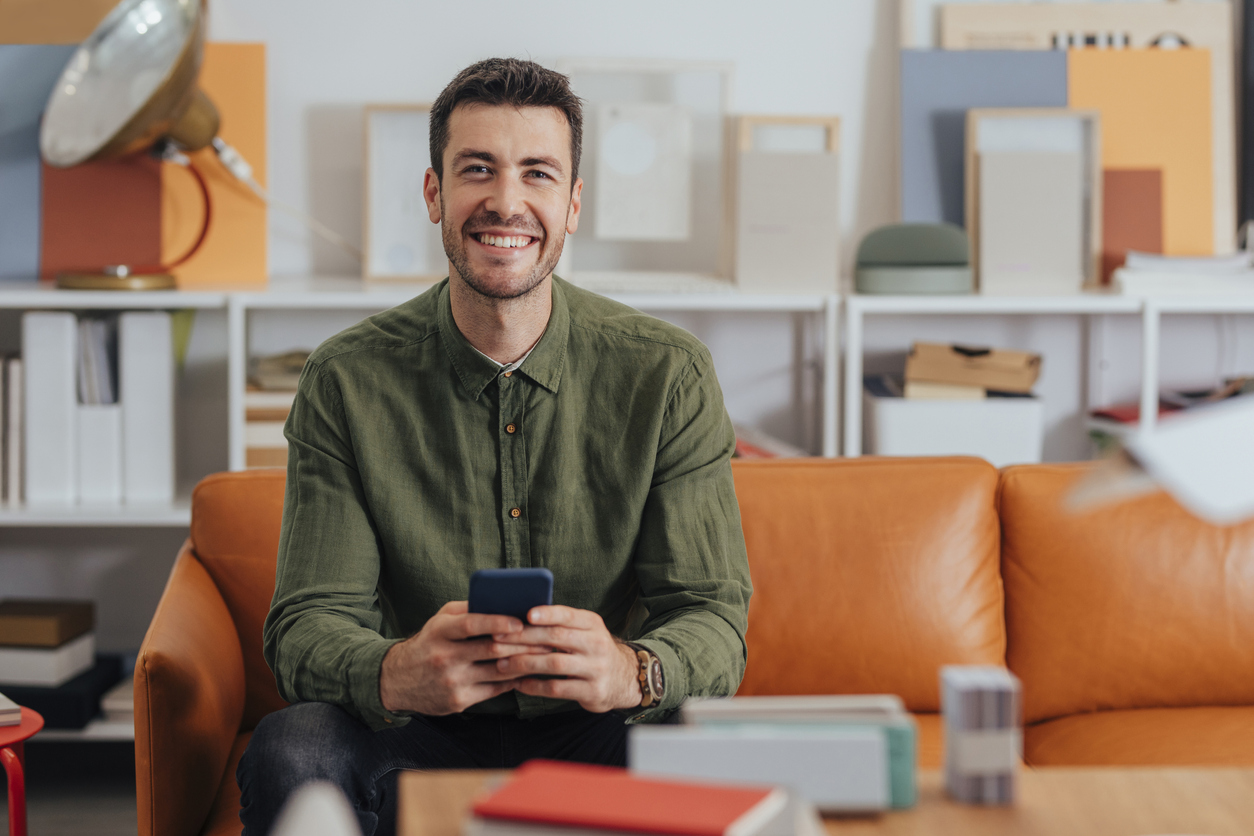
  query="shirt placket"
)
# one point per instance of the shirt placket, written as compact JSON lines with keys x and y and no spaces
{"x":513,"y":463}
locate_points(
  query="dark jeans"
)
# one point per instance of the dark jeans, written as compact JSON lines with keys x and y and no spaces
{"x":316,"y":741}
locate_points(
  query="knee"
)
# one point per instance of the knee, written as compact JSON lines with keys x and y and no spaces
{"x":301,"y":743}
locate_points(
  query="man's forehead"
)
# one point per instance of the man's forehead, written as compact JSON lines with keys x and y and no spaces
{"x":527,"y":131}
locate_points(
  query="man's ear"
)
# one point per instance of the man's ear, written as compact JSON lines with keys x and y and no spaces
{"x":431,"y":194}
{"x":576,"y":201}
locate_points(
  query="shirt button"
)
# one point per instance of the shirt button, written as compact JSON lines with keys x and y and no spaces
{"x":515,"y":512}
{"x":509,"y":428}
{"x":507,"y":374}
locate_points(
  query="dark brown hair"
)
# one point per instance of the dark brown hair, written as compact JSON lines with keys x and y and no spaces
{"x":506,"y":81}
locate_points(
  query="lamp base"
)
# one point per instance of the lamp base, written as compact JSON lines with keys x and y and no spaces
{"x":104,"y":281}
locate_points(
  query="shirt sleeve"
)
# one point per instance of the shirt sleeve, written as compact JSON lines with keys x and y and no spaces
{"x":690,"y":557}
{"x":321,"y":637}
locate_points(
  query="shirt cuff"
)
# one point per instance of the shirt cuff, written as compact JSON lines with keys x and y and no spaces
{"x":364,"y":686}
{"x":674,"y":681}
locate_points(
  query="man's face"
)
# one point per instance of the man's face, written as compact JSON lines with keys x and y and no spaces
{"x":505,"y":201}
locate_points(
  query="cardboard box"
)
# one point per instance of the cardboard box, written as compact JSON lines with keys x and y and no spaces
{"x":990,"y":368}
{"x":1003,"y":431}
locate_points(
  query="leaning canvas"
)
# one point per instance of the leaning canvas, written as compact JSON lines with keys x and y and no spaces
{"x":644,"y":172}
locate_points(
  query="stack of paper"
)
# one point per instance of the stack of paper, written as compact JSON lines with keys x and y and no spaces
{"x":10,"y":712}
{"x":118,"y":703}
{"x":983,"y":733}
{"x":840,"y":753}
{"x":546,"y":798}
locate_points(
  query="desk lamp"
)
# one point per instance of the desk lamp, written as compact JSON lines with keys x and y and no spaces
{"x":131,"y":88}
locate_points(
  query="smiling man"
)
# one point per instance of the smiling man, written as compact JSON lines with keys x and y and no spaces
{"x":504,"y":418}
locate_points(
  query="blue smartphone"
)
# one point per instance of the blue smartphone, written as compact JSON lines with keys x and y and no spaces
{"x":510,"y":591}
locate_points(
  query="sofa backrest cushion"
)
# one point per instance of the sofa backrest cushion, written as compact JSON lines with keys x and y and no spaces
{"x":1135,"y":605}
{"x":869,"y":574}
{"x":235,"y":534}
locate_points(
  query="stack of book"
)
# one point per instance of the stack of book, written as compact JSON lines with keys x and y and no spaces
{"x":48,"y":660}
{"x":841,"y":753}
{"x":10,"y":712}
{"x":954,"y":372}
{"x":95,"y":422}
{"x":547,"y":798}
{"x":271,"y":392}
{"x":983,"y":733}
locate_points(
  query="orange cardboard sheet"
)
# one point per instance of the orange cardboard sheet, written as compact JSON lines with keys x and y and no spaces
{"x":100,"y":214}
{"x":1156,"y":114}
{"x":1132,"y":215}
{"x":234,"y":253}
{"x":50,"y":21}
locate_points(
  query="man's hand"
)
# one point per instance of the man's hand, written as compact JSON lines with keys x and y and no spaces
{"x":600,"y":671}
{"x":449,"y":665}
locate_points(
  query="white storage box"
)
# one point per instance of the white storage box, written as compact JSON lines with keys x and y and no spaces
{"x":1002,"y":430}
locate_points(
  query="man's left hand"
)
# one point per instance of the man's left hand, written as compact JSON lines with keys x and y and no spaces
{"x":601,"y":672}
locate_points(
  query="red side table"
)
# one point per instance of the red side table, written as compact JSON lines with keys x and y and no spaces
{"x":11,"y":738}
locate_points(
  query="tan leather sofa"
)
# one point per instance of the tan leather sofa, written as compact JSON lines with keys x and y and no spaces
{"x":1132,"y":628}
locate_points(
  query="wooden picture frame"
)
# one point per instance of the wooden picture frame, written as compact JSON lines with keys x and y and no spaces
{"x":399,"y":242}
{"x":786,"y":207}
{"x":976,"y":117}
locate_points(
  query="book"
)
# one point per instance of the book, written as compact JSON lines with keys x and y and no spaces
{"x":14,"y":437}
{"x":118,"y":703}
{"x":988,"y":368}
{"x":1180,"y":283}
{"x":72,"y":704}
{"x":584,"y":799}
{"x":10,"y":712}
{"x":42,"y":623}
{"x":100,"y":453}
{"x":50,"y":420}
{"x":146,"y":366}
{"x":277,"y":371}
{"x":47,"y":667}
{"x":921,"y":390}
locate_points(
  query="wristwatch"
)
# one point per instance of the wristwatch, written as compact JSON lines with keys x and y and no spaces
{"x":652,"y":685}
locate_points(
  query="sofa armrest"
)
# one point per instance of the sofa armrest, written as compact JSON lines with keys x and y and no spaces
{"x":189,"y":700}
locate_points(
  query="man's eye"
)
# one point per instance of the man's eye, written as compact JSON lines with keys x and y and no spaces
{"x":541,"y":174}
{"x":476,"y":169}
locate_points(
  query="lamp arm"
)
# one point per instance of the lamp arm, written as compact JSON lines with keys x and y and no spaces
{"x":235,"y":163}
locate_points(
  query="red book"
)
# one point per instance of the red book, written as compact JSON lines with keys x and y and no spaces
{"x":604,"y":798}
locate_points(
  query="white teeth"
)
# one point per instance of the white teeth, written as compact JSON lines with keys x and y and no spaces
{"x":506,"y":241}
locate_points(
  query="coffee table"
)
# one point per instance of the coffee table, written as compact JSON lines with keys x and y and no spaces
{"x":1054,"y":801}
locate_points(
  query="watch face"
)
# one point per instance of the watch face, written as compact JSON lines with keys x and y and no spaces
{"x":655,"y":678}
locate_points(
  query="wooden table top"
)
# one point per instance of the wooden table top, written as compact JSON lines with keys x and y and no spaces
{"x":1056,"y":801}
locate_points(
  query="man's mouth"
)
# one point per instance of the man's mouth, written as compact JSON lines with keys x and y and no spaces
{"x":503,"y":241}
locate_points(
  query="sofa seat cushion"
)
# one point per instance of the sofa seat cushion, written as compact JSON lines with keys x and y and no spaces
{"x":1203,"y":736}
{"x":931,"y":744}
{"x":223,"y":817}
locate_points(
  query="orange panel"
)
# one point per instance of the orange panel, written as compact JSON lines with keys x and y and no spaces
{"x":1137,"y":605}
{"x":1156,"y":113}
{"x":234,"y":78}
{"x":50,"y":21}
{"x":869,"y":574}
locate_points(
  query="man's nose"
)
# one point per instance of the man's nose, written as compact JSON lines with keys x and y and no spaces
{"x":507,"y":198}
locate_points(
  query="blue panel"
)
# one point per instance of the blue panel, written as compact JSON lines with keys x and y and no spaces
{"x":27,"y":74}
{"x":938,"y":87}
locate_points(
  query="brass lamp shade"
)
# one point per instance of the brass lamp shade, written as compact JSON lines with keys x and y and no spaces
{"x":130,"y":84}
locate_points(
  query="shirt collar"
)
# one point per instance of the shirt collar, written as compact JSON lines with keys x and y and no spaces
{"x":545,"y":362}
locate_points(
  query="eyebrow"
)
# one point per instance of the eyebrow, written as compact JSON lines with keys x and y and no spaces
{"x":489,"y":157}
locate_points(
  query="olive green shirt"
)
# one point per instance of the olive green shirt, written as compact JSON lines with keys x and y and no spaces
{"x":414,"y":461}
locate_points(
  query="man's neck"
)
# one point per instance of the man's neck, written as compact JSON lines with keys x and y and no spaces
{"x":503,"y":329}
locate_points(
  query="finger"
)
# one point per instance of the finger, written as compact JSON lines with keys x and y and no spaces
{"x":558,"y":615}
{"x":472,"y":625}
{"x":578,"y":690}
{"x":487,"y":690}
{"x":545,"y":664}
{"x":454,"y":608}
{"x":477,"y":651}
{"x":565,"y":639}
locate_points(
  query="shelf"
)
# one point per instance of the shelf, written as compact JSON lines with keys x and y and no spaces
{"x":1075,"y":303}
{"x":175,"y":515}
{"x":41,"y":295}
{"x":97,"y":730}
{"x":1203,"y":304}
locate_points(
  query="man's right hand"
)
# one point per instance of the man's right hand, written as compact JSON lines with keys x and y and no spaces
{"x":448,"y":665}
